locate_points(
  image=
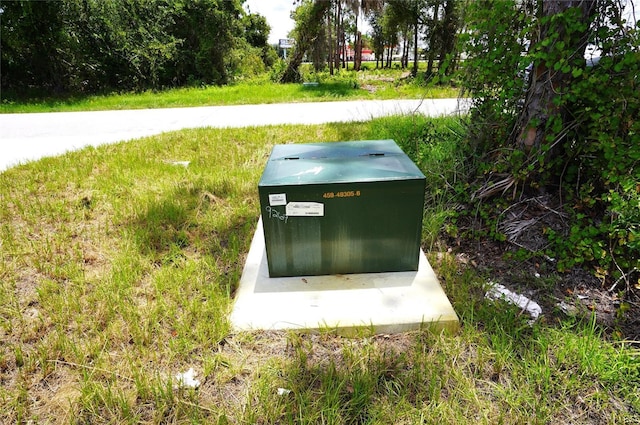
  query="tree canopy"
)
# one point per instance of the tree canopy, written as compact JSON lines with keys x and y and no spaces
{"x":399,"y":29}
{"x":92,"y":45}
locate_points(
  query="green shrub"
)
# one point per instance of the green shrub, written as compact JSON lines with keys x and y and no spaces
{"x":245,"y":62}
{"x":589,"y":157}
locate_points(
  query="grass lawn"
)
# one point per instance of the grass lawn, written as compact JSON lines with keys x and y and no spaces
{"x":388,"y":84}
{"x":118,"y":269}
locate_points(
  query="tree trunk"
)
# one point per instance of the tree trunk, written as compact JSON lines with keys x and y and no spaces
{"x":447,"y":38}
{"x":432,"y":40}
{"x":357,"y":47}
{"x":404,"y":58}
{"x":338,"y":34}
{"x":545,"y":81}
{"x":307,"y":34}
{"x":358,"y":52}
{"x":330,"y":44}
{"x":414,"y":72}
{"x":343,"y":45}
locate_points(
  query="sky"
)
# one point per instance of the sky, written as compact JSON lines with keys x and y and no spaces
{"x":278,"y":14}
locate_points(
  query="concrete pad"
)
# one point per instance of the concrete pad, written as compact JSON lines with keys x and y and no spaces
{"x":382,"y":302}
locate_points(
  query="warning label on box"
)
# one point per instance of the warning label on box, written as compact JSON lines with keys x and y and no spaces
{"x":305,"y":209}
{"x":277,"y":199}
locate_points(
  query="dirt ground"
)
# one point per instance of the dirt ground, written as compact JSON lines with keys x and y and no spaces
{"x":579,"y":292}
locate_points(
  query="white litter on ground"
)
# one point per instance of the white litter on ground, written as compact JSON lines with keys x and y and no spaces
{"x":187,"y":379}
{"x":283,"y":391}
{"x":185,"y":164}
{"x":498,"y":291}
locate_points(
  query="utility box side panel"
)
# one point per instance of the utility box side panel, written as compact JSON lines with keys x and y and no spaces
{"x":357,"y":227}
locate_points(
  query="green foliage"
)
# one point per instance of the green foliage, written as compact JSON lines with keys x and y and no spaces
{"x":88,"y":46}
{"x":346,"y":79}
{"x":256,"y":30}
{"x":28,"y":34}
{"x":493,"y":73}
{"x":277,"y":70}
{"x":605,"y":155}
{"x":591,"y":148}
{"x":245,"y":62}
{"x":309,"y":19}
{"x":601,"y":156}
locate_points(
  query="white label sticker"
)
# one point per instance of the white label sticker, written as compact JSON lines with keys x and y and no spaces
{"x":305,"y":209}
{"x":277,"y":199}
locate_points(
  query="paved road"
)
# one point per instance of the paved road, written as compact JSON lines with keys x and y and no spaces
{"x":25,"y":137}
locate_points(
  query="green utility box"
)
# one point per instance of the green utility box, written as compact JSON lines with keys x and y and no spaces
{"x":343,"y":207}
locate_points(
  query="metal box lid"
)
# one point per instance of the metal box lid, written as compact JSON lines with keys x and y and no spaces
{"x":336,"y":162}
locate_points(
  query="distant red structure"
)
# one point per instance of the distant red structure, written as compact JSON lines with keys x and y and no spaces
{"x":367,"y":54}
